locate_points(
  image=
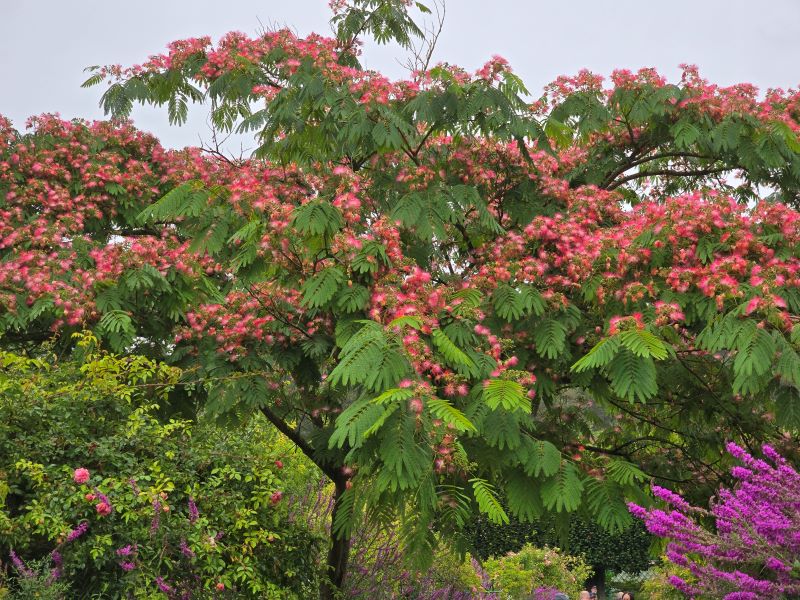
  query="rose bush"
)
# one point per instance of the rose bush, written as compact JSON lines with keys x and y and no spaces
{"x":118,"y":500}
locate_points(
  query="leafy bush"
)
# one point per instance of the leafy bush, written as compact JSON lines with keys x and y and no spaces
{"x":658,"y":587}
{"x":38,"y":579}
{"x":518,"y":575}
{"x":134,"y":504}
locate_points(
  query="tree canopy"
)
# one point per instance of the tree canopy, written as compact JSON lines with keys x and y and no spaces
{"x":446,"y":294}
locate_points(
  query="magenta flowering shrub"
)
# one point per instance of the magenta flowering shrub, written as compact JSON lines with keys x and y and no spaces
{"x":753,"y":553}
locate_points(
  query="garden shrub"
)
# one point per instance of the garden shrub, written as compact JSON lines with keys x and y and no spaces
{"x":118,"y":501}
{"x":518,"y":575}
{"x":658,"y":587}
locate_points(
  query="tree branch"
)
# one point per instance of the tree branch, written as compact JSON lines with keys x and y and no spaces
{"x":673,"y":172}
{"x":298,"y":440}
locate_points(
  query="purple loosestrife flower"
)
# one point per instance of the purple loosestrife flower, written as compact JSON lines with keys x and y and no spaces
{"x":545,"y":593}
{"x":127,"y":565}
{"x":194,"y":514}
{"x":78,"y":531}
{"x":670,"y":498}
{"x":162,"y":585}
{"x":185,"y":550}
{"x":126,"y":550}
{"x":58,"y":561}
{"x":20,"y":566}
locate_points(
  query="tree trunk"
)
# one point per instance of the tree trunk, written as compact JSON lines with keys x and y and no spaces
{"x":598,"y":579}
{"x":339,"y":552}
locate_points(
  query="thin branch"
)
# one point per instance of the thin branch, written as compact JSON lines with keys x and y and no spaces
{"x":629,"y":164}
{"x":672,"y":172}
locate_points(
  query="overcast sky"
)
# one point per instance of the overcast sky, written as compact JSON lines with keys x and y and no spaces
{"x":45,"y":44}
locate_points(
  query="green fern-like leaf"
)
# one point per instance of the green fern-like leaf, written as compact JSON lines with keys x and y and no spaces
{"x":317,"y":217}
{"x":388,"y":411}
{"x":600,"y":355}
{"x":756,"y":349}
{"x":394,"y":395}
{"x":643,"y":343}
{"x":532,"y":301}
{"x":788,"y":364}
{"x":353,"y":422}
{"x":624,"y":472}
{"x":169,"y":204}
{"x":352,"y":298}
{"x":369,"y":358}
{"x":507,"y":303}
{"x":632,"y":377}
{"x":405,"y":321}
{"x":787,"y":407}
{"x":488,"y":502}
{"x":523,"y":497}
{"x":466,"y":300}
{"x":404,"y":460}
{"x":321,"y":288}
{"x":543,"y":458}
{"x":508,"y":394}
{"x":449,"y":414}
{"x":606,"y":501}
{"x":117,"y":321}
{"x":454,"y":355}
{"x":562,"y":492}
{"x":501,"y":430}
{"x":346,"y":515}
{"x":550,"y":337}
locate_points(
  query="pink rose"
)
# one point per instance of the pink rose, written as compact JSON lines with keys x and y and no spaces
{"x":80,"y":475}
{"x":103,"y":508}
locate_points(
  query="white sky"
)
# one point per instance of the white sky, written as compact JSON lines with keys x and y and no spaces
{"x":45,"y":44}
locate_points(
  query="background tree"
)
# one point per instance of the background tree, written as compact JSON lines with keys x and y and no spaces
{"x":444,"y":295}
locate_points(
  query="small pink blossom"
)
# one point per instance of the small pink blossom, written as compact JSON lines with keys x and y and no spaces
{"x":80,"y":475}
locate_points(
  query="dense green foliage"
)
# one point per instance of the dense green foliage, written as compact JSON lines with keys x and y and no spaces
{"x":518,"y":575}
{"x":627,"y":550}
{"x":101,"y":413}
